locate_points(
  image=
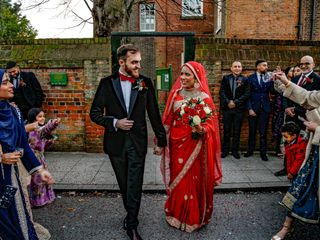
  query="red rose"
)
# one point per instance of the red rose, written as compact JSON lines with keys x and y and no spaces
{"x":308,"y":80}
{"x":185,"y":118}
{"x":192,"y":112}
{"x":202,"y":114}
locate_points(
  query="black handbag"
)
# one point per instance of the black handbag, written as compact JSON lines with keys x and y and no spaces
{"x":7,"y":196}
{"x":8,"y":191}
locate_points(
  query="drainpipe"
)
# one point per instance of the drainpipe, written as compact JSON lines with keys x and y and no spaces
{"x":299,"y":25}
{"x":313,"y":18}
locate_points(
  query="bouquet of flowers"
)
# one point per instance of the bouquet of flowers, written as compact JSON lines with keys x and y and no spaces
{"x":194,"y":111}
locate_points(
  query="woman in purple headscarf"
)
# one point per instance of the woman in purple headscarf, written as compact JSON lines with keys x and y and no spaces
{"x":15,"y":222}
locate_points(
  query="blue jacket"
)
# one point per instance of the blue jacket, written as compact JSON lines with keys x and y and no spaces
{"x":259,"y":94}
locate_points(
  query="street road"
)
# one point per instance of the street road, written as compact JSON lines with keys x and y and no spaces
{"x":236,"y":216}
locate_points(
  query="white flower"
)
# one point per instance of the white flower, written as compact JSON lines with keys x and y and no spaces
{"x":196,"y":120}
{"x":201,"y":102}
{"x":182,"y":111}
{"x":207,"y":110}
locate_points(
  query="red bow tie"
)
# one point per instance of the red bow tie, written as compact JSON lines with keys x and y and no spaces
{"x":126,"y":78}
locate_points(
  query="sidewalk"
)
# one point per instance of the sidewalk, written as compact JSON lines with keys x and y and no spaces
{"x":93,"y":171}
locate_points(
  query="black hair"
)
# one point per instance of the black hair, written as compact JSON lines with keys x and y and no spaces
{"x":291,"y":128}
{"x":11,"y":64}
{"x":287,"y":70}
{"x":32,"y":114}
{"x":260,"y":61}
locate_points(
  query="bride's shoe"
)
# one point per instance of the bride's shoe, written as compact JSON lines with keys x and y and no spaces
{"x":288,"y":231}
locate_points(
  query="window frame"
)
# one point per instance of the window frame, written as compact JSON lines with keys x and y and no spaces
{"x":143,"y":25}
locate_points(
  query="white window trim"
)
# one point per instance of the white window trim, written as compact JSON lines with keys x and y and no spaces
{"x":189,"y":3}
{"x":141,"y":27}
{"x":219,"y":16}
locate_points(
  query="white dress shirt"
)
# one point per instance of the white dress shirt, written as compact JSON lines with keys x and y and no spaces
{"x":126,"y":91}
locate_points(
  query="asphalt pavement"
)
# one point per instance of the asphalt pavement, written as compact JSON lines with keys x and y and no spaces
{"x":99,"y":215}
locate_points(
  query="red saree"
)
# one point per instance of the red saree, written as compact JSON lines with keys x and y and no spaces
{"x":191,"y":168}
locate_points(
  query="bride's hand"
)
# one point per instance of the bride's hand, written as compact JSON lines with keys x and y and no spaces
{"x":199,"y":129}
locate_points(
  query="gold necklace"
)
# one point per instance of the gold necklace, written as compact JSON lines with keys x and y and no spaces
{"x":194,"y":93}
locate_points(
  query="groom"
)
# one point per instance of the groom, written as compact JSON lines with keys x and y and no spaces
{"x":120,"y":105}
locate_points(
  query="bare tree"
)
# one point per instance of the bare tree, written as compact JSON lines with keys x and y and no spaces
{"x":107,"y":15}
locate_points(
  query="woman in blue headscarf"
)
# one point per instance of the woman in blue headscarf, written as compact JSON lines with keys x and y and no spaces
{"x":15,"y":222}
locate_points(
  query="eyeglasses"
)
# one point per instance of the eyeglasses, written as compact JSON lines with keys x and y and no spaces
{"x":306,"y":63}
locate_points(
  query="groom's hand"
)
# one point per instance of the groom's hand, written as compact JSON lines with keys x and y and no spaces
{"x":124,"y":124}
{"x":157,"y":150}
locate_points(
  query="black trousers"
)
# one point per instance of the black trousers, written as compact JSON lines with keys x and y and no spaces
{"x":259,"y":121}
{"x":232,"y":123}
{"x":129,"y":170}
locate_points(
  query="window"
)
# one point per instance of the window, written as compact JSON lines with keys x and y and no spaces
{"x":191,"y":8}
{"x":147,"y":17}
{"x":219,"y":16}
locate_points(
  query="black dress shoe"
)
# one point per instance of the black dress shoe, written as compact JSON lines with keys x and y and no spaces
{"x":125,"y":226}
{"x":236,"y":155}
{"x":248,"y":154}
{"x":282,"y":172}
{"x":264,"y":158}
{"x":224,"y":154}
{"x":133,"y":234}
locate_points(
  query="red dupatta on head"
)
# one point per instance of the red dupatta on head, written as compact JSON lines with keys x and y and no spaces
{"x":212,"y":134}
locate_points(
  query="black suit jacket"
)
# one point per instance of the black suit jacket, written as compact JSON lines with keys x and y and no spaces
{"x":242,"y":92}
{"x":310,"y":86}
{"x":29,"y":94}
{"x":109,"y":104}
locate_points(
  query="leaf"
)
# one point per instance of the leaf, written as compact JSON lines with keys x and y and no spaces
{"x":71,"y":209}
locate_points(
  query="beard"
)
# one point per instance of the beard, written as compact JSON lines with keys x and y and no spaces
{"x":131,"y":72}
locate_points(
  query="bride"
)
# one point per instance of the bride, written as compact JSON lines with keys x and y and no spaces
{"x":191,"y":163}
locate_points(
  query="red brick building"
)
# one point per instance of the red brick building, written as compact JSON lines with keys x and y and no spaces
{"x":253,"y":19}
{"x":240,"y":19}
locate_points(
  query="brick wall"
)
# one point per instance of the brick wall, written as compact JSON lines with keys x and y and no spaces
{"x":85,"y":61}
{"x":261,"y":19}
{"x":307,"y":19}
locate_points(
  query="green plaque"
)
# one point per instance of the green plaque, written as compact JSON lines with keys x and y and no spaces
{"x":164,"y":78}
{"x":58,"y":79}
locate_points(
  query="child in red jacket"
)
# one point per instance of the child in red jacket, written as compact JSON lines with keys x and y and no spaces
{"x":295,"y":148}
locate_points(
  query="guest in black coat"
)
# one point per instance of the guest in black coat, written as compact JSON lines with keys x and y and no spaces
{"x":120,"y":106}
{"x":308,"y":80}
{"x":234,"y":93}
{"x":27,"y":89}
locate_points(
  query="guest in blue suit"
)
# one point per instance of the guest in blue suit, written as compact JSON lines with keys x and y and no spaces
{"x":259,"y":108}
